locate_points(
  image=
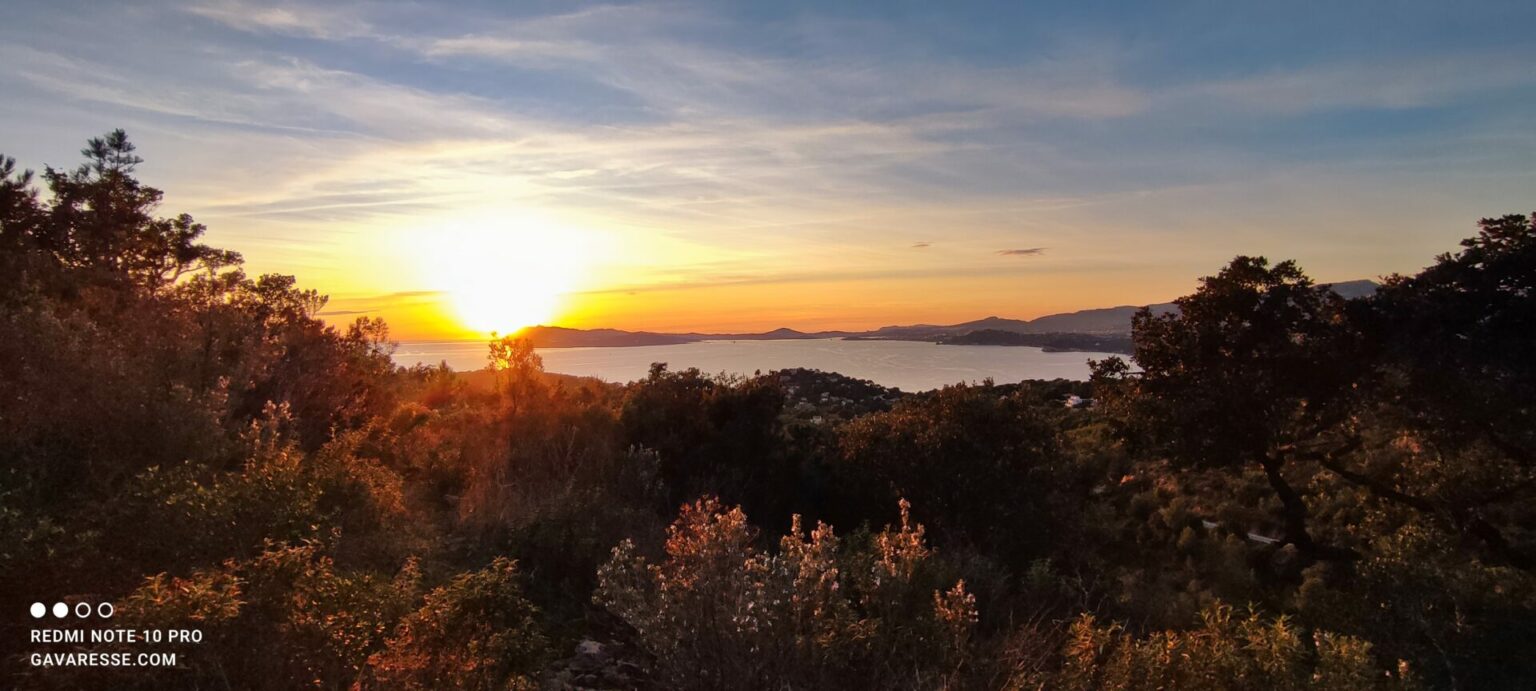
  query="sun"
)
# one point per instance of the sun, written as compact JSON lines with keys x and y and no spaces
{"x":502,"y":273}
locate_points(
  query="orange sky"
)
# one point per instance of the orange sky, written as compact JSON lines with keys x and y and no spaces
{"x":727,"y":167}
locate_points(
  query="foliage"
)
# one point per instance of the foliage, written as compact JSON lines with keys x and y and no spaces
{"x":315,"y":624}
{"x":477,"y":632}
{"x":715,"y":435}
{"x":1457,"y":340}
{"x":201,"y":448}
{"x":1249,"y":367}
{"x":718,"y":612}
{"x":983,"y":464}
{"x":1224,"y":652}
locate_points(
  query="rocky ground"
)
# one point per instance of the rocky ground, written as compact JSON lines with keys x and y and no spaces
{"x":595,"y":665}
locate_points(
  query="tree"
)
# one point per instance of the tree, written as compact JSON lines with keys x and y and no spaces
{"x":130,"y":352}
{"x":714,"y":435}
{"x":1460,"y":333}
{"x":100,"y":223}
{"x":1454,"y":396}
{"x":518,"y":370}
{"x":985,"y":466}
{"x":1251,"y":369}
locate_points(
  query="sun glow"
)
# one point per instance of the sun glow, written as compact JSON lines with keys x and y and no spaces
{"x":503,"y":273}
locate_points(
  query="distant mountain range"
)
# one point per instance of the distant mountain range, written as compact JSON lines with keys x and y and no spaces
{"x":1105,"y":329}
{"x":1049,"y":342}
{"x":561,"y":337}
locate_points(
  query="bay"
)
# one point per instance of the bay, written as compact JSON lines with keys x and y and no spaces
{"x":907,"y":365}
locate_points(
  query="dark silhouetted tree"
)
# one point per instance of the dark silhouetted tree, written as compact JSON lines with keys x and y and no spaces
{"x":1250,"y":370}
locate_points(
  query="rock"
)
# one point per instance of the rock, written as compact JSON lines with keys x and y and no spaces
{"x":598,"y":666}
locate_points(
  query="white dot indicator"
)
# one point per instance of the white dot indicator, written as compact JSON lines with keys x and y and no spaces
{"x":105,"y":610}
{"x":60,"y":610}
{"x":38,"y":610}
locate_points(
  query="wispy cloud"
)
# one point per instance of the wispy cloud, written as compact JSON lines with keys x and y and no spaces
{"x":1388,"y":83}
{"x":516,"y":50}
{"x":744,"y":149}
{"x":318,"y":20}
{"x":344,"y":313}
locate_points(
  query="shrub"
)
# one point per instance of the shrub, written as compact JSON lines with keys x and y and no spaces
{"x":314,"y":624}
{"x":718,"y":612}
{"x":477,"y":632}
{"x":985,"y":465}
{"x":1224,"y":653}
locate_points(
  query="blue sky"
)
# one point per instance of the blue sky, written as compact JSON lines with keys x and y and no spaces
{"x":814,"y":164}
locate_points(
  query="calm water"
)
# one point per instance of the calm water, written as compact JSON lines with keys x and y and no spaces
{"x":908,"y":365}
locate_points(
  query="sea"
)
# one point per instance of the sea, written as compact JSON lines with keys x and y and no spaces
{"x":906,"y":365}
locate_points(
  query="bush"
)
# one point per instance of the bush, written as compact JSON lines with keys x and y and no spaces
{"x":720,"y":436}
{"x":314,"y":624}
{"x":985,"y":465}
{"x":718,"y":612}
{"x":1223,"y":654}
{"x":477,"y":632}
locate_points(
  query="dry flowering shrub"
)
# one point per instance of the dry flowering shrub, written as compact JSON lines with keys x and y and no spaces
{"x":812,"y":597}
{"x":720,"y":612}
{"x":1225,"y":652}
{"x":902,"y":551}
{"x":705,"y":602}
{"x":1344,"y":662}
{"x":956,"y":610}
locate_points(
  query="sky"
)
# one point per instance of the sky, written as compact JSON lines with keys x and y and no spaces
{"x":458,"y":168}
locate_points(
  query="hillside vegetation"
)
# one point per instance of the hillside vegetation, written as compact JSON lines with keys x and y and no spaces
{"x":1289,"y":490}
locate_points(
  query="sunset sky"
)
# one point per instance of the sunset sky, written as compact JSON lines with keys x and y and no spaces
{"x":740,"y":167}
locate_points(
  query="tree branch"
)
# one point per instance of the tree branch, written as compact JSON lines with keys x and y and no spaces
{"x":1294,"y":513}
{"x":1466,"y":521}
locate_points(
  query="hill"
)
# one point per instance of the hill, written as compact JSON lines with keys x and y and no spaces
{"x":1103,"y":320}
{"x":1050,"y":342}
{"x":1105,"y":329}
{"x":561,"y":337}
